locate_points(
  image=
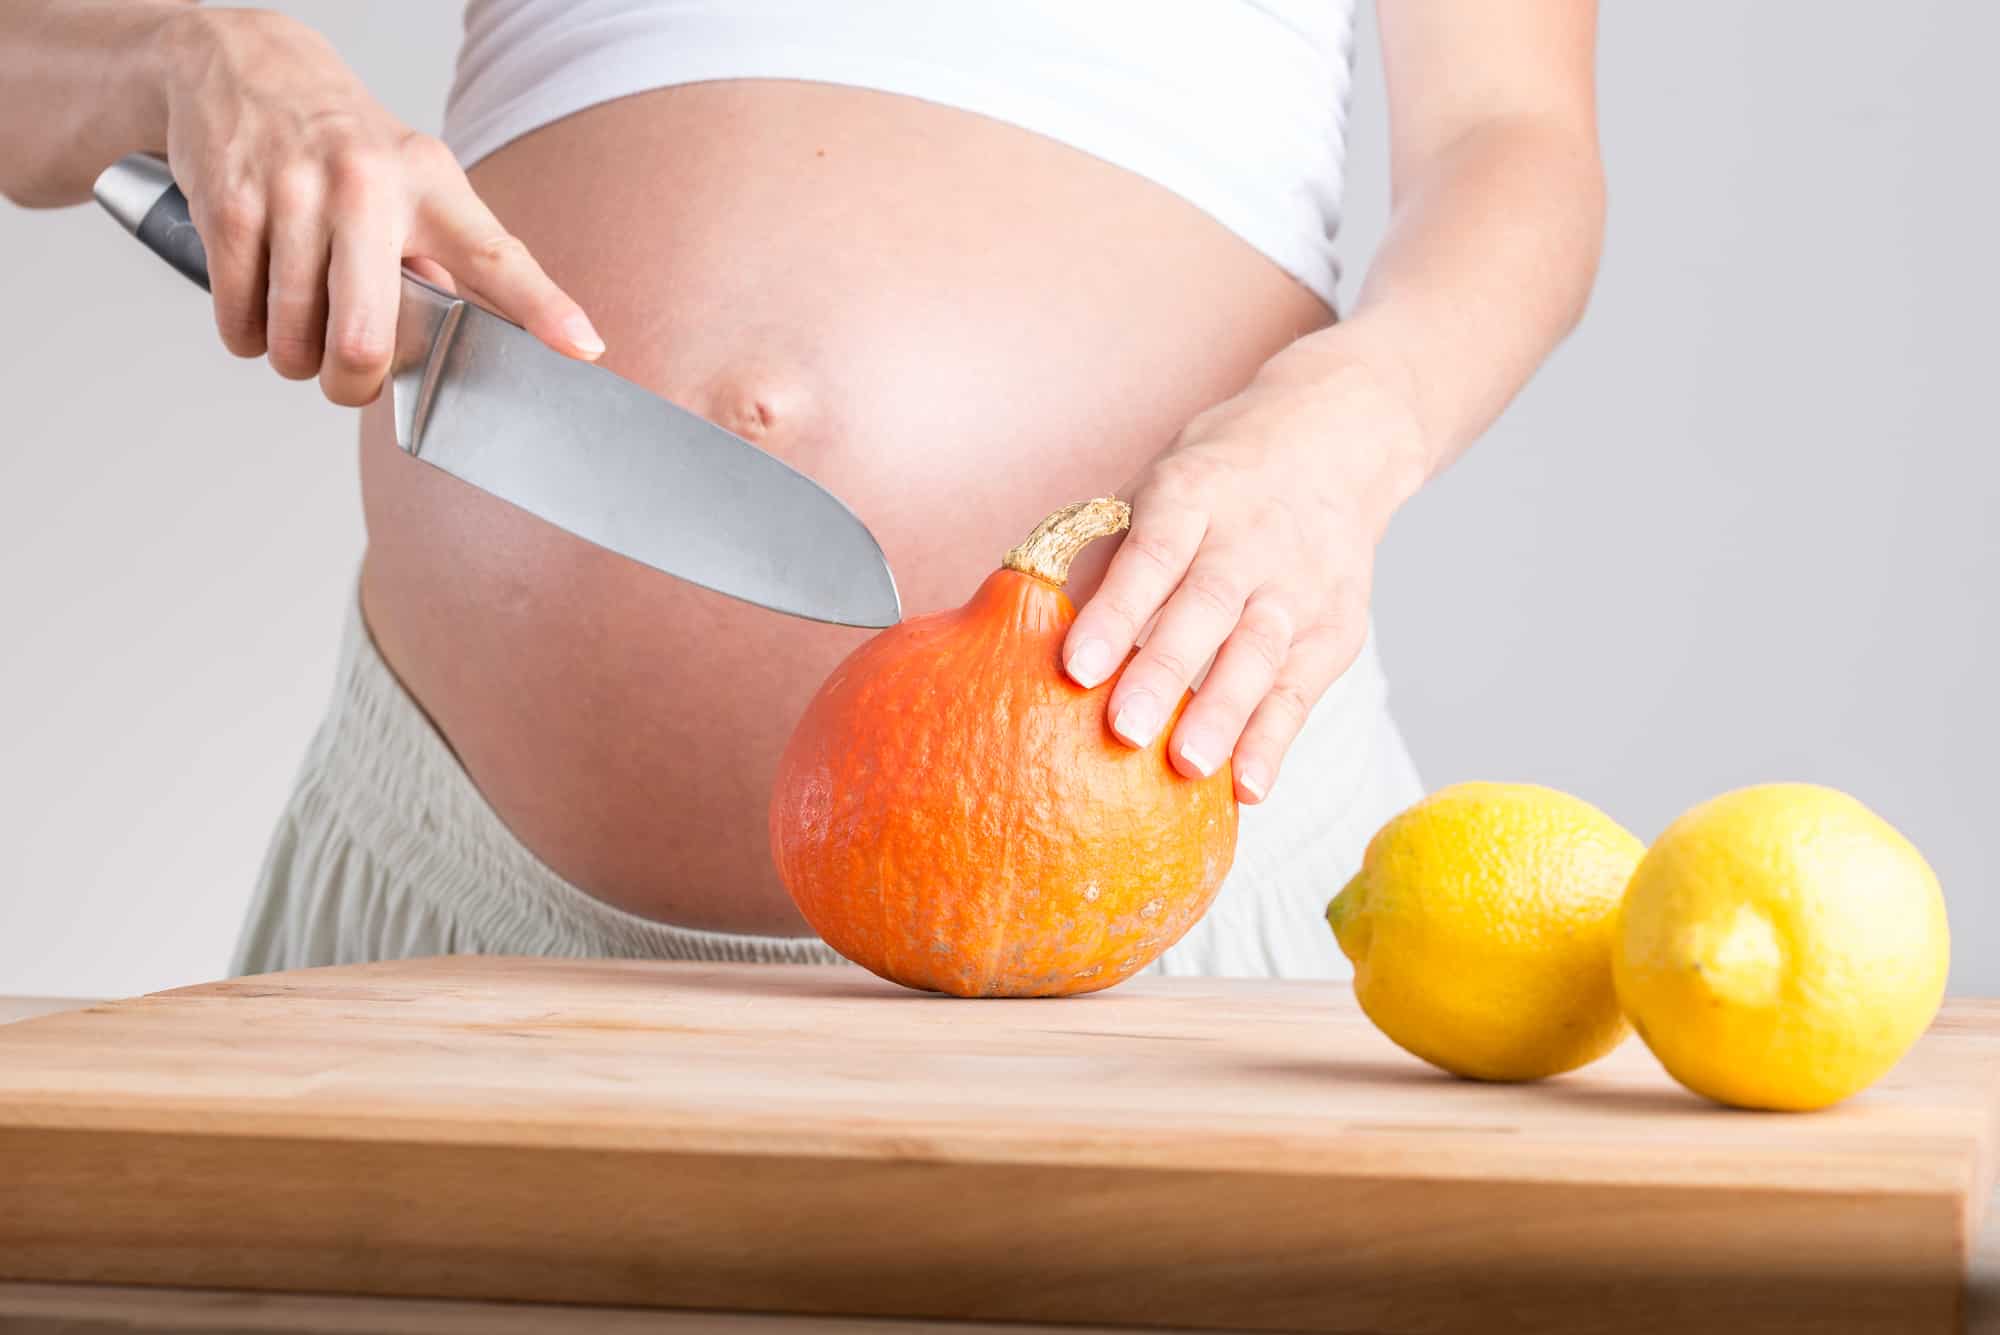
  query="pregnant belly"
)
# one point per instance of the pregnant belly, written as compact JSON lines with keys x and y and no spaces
{"x":953,"y":324}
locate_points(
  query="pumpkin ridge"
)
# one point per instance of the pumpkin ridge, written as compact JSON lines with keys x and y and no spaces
{"x":999,"y":688}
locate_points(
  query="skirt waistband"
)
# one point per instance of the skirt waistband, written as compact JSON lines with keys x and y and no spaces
{"x":412,"y":803}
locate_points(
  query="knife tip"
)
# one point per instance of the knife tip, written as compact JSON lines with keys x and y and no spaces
{"x":881,"y":608}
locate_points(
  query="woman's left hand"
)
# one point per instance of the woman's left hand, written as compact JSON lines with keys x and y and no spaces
{"x":1253,"y":543}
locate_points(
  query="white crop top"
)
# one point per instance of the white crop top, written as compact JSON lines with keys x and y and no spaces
{"x":1238,"y":106}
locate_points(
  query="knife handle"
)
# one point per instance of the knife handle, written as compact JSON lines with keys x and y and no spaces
{"x":139,"y":191}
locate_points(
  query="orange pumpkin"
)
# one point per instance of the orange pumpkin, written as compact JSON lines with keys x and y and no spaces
{"x":954,"y":813}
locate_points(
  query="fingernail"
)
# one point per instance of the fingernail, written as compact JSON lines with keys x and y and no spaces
{"x":1197,"y":758}
{"x":1251,"y":779}
{"x":582,"y":335}
{"x":1090,"y":664}
{"x":1137,"y":719}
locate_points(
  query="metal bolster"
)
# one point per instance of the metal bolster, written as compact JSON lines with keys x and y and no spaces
{"x":129,"y":188}
{"x":422,"y":346}
{"x":433,"y":368}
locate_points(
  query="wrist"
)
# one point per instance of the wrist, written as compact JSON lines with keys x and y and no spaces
{"x":157,"y":47}
{"x":1363,"y":404}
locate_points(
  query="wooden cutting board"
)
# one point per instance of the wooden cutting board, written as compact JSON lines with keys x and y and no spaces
{"x":1189,"y":1153}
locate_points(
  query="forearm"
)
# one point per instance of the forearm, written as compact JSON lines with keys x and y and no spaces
{"x":83,"y":84}
{"x":1487,"y":264}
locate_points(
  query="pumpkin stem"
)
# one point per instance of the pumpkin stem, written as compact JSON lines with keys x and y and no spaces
{"x":1047,"y":552}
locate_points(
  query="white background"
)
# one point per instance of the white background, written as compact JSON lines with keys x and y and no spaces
{"x":1739,"y":530}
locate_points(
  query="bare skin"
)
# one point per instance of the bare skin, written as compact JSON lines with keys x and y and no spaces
{"x":954,"y":324}
{"x":626,"y":726}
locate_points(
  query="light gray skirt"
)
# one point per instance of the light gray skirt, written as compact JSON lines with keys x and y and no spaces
{"x":387,"y":850}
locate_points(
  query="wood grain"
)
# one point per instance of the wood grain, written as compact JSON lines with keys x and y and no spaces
{"x":1235,"y":1155}
{"x":112,"y":1309}
{"x":78,"y":1309}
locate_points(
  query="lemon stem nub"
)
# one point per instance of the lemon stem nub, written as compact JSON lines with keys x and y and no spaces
{"x":1744,"y":963}
{"x":1349,"y":930}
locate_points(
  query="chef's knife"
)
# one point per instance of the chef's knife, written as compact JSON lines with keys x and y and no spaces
{"x":589,"y":452}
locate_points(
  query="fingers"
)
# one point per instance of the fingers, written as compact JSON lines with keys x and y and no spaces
{"x":457,"y":230}
{"x":1259,"y":651}
{"x":296,"y":304}
{"x":1316,"y":660}
{"x":305,"y":254}
{"x":1245,"y":669}
{"x":1197,"y":618}
{"x":364,"y":289}
{"x":1149,"y":565}
{"x":231,"y":226}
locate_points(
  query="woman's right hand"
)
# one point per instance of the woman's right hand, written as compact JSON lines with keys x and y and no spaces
{"x":309,"y":197}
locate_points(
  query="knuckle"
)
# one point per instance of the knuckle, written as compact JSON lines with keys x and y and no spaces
{"x":1120,"y":611}
{"x":1168,"y":489}
{"x":294,"y":353}
{"x":235,"y":219}
{"x":499,"y":251}
{"x":359,"y":350}
{"x":1153,"y":550}
{"x":357,"y":170}
{"x":349,"y":391}
{"x":298,"y":186}
{"x":1186,"y":474}
{"x":1169,"y":661}
{"x":1333,"y":643}
{"x":1315,"y":653}
{"x":1272,"y":616}
{"x":240,"y":321}
{"x":1226,"y":700}
{"x":1215,"y":589}
{"x":267,"y":24}
{"x":242,"y":338}
{"x":1288,"y":699}
{"x":427,"y":153}
{"x":1269,"y":621}
{"x":1265,"y":645}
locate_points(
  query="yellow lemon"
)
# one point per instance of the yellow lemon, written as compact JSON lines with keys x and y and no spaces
{"x":1480,"y":927}
{"x":1781,"y":947}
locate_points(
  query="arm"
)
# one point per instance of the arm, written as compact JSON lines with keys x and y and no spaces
{"x":1499,"y":207}
{"x":1253,"y":536}
{"x":308,"y":195}
{"x":85,"y":86}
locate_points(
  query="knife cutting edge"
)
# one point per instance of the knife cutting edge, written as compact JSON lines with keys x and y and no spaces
{"x":582,"y":448}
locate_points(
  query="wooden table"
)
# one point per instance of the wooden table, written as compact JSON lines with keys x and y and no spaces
{"x":46,"y":1309}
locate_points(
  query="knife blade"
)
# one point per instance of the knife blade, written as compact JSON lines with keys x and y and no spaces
{"x":586,"y":450}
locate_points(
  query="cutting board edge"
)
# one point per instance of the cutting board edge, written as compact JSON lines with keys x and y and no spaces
{"x":703,"y":1234}
{"x":1931,"y":1169}
{"x":1984,"y":1173}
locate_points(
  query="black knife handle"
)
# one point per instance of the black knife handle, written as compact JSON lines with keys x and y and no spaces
{"x":168,"y":232}
{"x":139,"y":191}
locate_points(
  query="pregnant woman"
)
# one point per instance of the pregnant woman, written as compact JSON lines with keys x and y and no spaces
{"x":960,"y":263}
